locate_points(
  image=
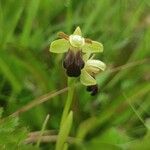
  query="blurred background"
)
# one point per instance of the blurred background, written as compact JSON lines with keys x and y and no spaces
{"x":118,"y":117}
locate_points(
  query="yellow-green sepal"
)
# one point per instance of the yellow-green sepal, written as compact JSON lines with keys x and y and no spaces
{"x":94,"y":47}
{"x":77,"y":31}
{"x":59,"y":46}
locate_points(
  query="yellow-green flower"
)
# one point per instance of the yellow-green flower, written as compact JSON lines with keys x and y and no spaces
{"x":91,"y":69}
{"x":75,"y":45}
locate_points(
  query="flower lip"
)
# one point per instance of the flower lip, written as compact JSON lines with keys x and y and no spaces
{"x":93,"y":89}
{"x":76,"y":40}
{"x":73,"y":63}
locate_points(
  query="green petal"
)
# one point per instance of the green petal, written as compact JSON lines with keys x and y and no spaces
{"x":86,"y":56}
{"x":86,"y":79}
{"x":96,"y":63}
{"x":77,"y":31}
{"x":95,"y":47}
{"x":59,"y":46}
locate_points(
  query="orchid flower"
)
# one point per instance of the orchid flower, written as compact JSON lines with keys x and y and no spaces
{"x":91,"y":69}
{"x":74,"y":45}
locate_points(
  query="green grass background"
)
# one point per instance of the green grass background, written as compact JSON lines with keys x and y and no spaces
{"x":119,"y":115}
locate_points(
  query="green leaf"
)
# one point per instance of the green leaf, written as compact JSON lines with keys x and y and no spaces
{"x":111,"y":139}
{"x":32,"y":9}
{"x":59,"y":46}
{"x":28,"y":147}
{"x":7,"y":72}
{"x":11,"y":135}
{"x":104,"y":146}
{"x":1,"y":111}
{"x":108,"y":137}
{"x":11,"y":146}
{"x":143,"y":144}
{"x":64,"y":132}
{"x":9,"y":20}
{"x":9,"y":124}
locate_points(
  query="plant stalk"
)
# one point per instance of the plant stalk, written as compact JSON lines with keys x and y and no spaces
{"x":66,"y":119}
{"x":71,"y":88}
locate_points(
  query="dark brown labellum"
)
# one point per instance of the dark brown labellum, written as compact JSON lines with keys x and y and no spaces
{"x":93,"y":89}
{"x":73,"y":63}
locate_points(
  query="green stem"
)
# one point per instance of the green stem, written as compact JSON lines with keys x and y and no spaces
{"x":66,"y":119}
{"x":68,"y":101}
